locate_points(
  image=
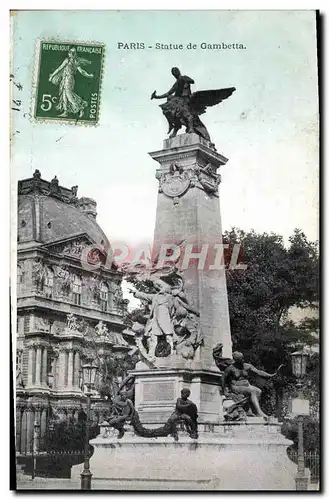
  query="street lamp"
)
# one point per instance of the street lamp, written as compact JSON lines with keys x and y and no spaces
{"x":300,"y":407}
{"x":298,"y":364}
{"x":89,"y":372}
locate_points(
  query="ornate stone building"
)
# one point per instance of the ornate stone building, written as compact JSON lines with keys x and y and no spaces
{"x":69,"y":303}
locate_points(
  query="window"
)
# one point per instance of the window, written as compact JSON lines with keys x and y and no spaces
{"x":19,"y":361}
{"x":104,"y":297}
{"x":49,"y":282}
{"x":26,"y":324}
{"x":20,"y":275}
{"x":76,"y":287}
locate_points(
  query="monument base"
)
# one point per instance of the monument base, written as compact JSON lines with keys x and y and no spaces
{"x":249,"y":457}
{"x":156,"y":392}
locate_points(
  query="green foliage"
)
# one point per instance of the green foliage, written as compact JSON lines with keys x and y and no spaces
{"x":113,"y":369}
{"x":276,"y":279}
{"x":69,"y":436}
{"x":260,"y":297}
{"x":311,"y":433}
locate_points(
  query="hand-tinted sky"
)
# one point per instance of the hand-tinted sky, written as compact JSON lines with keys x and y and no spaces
{"x":268,"y":129}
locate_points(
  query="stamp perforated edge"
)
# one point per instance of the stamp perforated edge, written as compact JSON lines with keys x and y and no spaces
{"x":35,"y":80}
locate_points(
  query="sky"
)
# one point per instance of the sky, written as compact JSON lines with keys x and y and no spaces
{"x":268,"y":129}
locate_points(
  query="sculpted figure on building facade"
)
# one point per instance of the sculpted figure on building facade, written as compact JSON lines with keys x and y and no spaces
{"x":39,"y":274}
{"x":94,"y":285}
{"x":19,"y":370}
{"x":54,"y":186}
{"x":42,"y":324}
{"x":74,"y":248}
{"x":184,"y":107}
{"x":72,"y":323}
{"x":65,"y":279}
{"x":36,"y":179}
{"x":168,"y":324}
{"x":101,"y":329}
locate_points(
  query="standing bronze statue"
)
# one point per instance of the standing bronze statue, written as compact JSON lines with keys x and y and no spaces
{"x":168,"y":316}
{"x":184,"y":107}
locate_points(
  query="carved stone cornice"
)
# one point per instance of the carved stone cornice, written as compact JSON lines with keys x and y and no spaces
{"x":73,"y":247}
{"x":36,"y":185}
{"x":36,"y":343}
{"x":67,"y":348}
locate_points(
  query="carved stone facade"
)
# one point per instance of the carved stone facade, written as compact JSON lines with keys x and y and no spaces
{"x":63,"y":305}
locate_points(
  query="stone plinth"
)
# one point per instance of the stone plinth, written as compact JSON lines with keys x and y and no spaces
{"x":241,"y":457}
{"x":156,"y":392}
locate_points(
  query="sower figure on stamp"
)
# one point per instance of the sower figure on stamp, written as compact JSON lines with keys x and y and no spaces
{"x":235,"y":379}
{"x":64,"y":76}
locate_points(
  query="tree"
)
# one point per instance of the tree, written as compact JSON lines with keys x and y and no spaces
{"x":113,"y":370}
{"x":260,"y":297}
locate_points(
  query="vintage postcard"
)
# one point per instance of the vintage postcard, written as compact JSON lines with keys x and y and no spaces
{"x":165,"y":250}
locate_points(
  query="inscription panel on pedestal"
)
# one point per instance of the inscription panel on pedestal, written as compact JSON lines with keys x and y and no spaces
{"x":153,"y":392}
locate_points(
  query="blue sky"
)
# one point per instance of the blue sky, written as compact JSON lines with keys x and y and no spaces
{"x":268,"y":129}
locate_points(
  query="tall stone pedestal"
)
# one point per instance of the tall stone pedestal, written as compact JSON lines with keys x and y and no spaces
{"x":188,"y":215}
{"x":188,"y":220}
{"x":249,"y":457}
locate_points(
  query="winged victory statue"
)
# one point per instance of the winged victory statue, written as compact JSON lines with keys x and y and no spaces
{"x":183,"y":107}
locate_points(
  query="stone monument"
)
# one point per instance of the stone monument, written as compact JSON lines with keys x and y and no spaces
{"x":188,"y":223}
{"x":184,"y":340}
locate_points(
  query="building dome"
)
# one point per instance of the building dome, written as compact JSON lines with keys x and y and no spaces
{"x":48,"y":212}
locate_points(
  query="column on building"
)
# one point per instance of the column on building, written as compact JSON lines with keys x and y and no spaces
{"x":61,"y":369}
{"x":44,"y":377}
{"x":54,"y":371}
{"x":76,"y":370}
{"x":38,"y":366}
{"x":70,"y":369}
{"x":30,"y":366}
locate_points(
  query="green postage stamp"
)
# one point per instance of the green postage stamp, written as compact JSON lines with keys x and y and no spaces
{"x":68,"y":82}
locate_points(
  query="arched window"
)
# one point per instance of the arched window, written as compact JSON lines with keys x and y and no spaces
{"x":49,"y":282}
{"x":76,"y":287}
{"x":104,"y":297}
